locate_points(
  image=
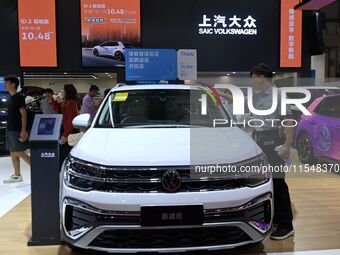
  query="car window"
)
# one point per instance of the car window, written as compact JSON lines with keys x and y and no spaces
{"x":329,"y":107}
{"x":159,"y":107}
{"x":109,"y":44}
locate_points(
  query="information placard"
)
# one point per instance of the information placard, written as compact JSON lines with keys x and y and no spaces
{"x":151,"y":64}
{"x":37,"y":33}
{"x":187,"y":64}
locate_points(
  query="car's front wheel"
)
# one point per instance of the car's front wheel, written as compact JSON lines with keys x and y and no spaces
{"x":95,"y":52}
{"x":305,"y":149}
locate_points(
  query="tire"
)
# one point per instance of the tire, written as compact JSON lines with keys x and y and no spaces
{"x":95,"y":52}
{"x":305,"y":149}
{"x":119,"y":56}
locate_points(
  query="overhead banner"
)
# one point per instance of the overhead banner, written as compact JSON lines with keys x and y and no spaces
{"x":291,"y":35}
{"x":37,"y":33}
{"x":108,"y":28}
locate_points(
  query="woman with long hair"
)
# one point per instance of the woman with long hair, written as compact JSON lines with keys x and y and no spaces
{"x":70,"y":111}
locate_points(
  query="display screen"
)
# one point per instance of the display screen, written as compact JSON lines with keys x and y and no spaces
{"x":108,"y":27}
{"x":2,"y":84}
{"x":37,"y":33}
{"x":291,"y":34}
{"x":46,"y":126}
{"x":228,"y":35}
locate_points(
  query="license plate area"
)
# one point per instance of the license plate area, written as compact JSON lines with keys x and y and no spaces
{"x":172,"y":215}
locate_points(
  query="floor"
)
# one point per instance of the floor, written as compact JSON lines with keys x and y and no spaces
{"x":11,"y":195}
{"x":316,"y":206}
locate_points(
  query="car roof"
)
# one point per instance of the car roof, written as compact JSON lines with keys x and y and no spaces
{"x":320,"y":87}
{"x":155,"y":86}
{"x":331,"y":95}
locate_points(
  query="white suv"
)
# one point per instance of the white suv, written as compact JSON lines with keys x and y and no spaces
{"x":131,"y":183}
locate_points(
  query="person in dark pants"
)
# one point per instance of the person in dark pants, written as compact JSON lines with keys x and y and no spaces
{"x":268,"y":137}
{"x":16,"y":133}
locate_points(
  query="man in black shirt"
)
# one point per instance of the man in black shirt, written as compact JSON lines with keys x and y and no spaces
{"x":17,"y":135}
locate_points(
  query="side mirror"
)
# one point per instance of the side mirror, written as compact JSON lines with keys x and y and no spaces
{"x":81,"y":121}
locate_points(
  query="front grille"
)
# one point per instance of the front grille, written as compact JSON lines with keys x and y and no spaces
{"x":136,"y":180}
{"x":170,"y":238}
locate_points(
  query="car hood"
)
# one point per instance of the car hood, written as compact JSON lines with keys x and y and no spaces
{"x":165,"y":146}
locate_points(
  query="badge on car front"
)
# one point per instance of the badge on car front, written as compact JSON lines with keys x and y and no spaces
{"x":171,"y":180}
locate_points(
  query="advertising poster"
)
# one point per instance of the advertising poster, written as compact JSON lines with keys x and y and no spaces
{"x":108,"y":28}
{"x":291,"y":35}
{"x":37,"y":33}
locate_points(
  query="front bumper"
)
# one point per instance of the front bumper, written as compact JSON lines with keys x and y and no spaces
{"x":111,"y":221}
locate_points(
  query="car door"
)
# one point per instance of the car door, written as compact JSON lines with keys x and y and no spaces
{"x":326,"y":129}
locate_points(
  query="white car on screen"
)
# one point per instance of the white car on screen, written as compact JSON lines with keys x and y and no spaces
{"x":113,"y":49}
{"x":129,"y":185}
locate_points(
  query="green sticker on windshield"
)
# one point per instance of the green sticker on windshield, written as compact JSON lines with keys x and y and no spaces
{"x":211,"y":95}
{"x":120,"y":97}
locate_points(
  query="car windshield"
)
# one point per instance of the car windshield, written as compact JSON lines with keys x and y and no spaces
{"x":159,"y":108}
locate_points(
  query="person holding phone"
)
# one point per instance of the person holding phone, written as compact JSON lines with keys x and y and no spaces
{"x":17,"y":136}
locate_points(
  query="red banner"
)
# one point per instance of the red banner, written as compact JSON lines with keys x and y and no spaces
{"x":291,"y":35}
{"x":37,"y":33}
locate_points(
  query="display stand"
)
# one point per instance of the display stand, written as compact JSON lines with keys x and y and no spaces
{"x":45,"y":167}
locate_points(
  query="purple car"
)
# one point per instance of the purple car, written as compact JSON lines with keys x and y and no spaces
{"x":318,"y":135}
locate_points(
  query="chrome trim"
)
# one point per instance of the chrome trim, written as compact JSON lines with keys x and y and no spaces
{"x":171,"y":250}
{"x":81,"y":205}
{"x":251,"y":203}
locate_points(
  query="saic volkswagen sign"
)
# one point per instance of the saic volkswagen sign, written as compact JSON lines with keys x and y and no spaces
{"x":223,"y":25}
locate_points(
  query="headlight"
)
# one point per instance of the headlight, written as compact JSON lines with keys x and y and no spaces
{"x":76,"y":178}
{"x":254,"y":172}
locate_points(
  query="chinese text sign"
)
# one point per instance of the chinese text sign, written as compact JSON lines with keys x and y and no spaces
{"x":291,"y":34}
{"x":37,"y":33}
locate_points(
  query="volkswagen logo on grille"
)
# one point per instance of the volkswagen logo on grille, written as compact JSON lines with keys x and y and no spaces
{"x":171,"y":180}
